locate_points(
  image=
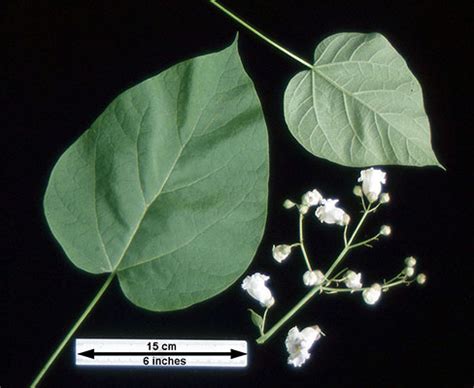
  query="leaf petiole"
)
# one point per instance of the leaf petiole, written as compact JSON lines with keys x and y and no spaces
{"x":71,"y":332}
{"x":259,"y":34}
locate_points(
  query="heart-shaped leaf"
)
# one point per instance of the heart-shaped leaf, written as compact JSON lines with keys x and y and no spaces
{"x":360,"y":105}
{"x":168,"y":188}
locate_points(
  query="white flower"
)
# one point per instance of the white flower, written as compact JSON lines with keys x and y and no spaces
{"x":352,"y":280}
{"x":313,"y":278}
{"x":255,"y":286}
{"x":311,"y":198}
{"x":372,"y":294}
{"x":372,"y":180}
{"x":298,"y":344}
{"x":385,"y":230}
{"x":410,"y":261}
{"x":329,"y":213}
{"x":281,"y":252}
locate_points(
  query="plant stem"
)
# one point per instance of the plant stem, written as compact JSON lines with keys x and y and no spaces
{"x":348,"y":246}
{"x":365,"y":242}
{"x":71,"y":332}
{"x":287,"y":316}
{"x":262,"y":328}
{"x":305,"y":255}
{"x":259,"y":34}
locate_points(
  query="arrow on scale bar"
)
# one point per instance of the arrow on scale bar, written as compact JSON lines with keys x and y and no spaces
{"x":92,"y":353}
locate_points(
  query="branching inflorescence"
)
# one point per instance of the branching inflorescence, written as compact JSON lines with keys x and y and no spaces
{"x":333,"y":280}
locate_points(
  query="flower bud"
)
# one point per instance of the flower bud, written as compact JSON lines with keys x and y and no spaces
{"x":346,"y":219}
{"x":288,"y":204}
{"x":357,"y":191}
{"x":313,"y":278}
{"x":352,"y":280}
{"x":304,"y":209}
{"x":421,"y":278}
{"x":410,"y":261}
{"x":409,"y":271}
{"x":281,"y":252}
{"x":385,"y":230}
{"x":384,"y":198}
{"x":372,"y":294}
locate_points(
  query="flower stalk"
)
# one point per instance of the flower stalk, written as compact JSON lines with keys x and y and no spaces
{"x":320,"y":288}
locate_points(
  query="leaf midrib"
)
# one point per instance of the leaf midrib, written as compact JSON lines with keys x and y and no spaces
{"x":148,"y":205}
{"x":350,"y":94}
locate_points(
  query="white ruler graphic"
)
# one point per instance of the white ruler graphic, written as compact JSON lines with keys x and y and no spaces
{"x":161,"y":353}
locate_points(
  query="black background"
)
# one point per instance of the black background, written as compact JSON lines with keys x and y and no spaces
{"x":65,"y":62}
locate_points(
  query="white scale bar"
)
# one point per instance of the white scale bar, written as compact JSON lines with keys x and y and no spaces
{"x":86,"y":345}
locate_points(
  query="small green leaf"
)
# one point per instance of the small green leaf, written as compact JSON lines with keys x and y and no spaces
{"x":168,"y":188}
{"x":360,"y":105}
{"x":256,"y":319}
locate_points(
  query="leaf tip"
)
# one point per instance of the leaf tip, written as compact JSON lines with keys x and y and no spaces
{"x":236,"y":39}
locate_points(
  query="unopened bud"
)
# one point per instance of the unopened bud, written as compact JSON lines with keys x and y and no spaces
{"x":304,"y":209}
{"x":410,"y":261}
{"x":288,"y":204}
{"x":346,"y":219}
{"x":384,"y":198}
{"x":409,"y":271}
{"x":421,"y":278}
{"x":385,"y":230}
{"x":281,"y":252}
{"x":357,"y":191}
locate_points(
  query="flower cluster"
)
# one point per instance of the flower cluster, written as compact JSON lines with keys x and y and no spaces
{"x":328,"y":211}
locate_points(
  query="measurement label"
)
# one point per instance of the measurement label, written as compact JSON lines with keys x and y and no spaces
{"x":161,"y":352}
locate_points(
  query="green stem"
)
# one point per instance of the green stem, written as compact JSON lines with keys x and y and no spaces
{"x":394,"y":284}
{"x":287,"y":316}
{"x":348,"y":246}
{"x":71,"y":332}
{"x":262,"y":328}
{"x":259,"y":34}
{"x":365,"y":242}
{"x":334,"y":290}
{"x":305,"y":255}
{"x":345,"y":234}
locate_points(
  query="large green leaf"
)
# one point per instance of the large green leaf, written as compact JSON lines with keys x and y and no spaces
{"x":360,"y":105}
{"x":169,"y":186}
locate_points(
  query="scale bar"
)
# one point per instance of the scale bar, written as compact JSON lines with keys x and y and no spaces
{"x":161,"y":352}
